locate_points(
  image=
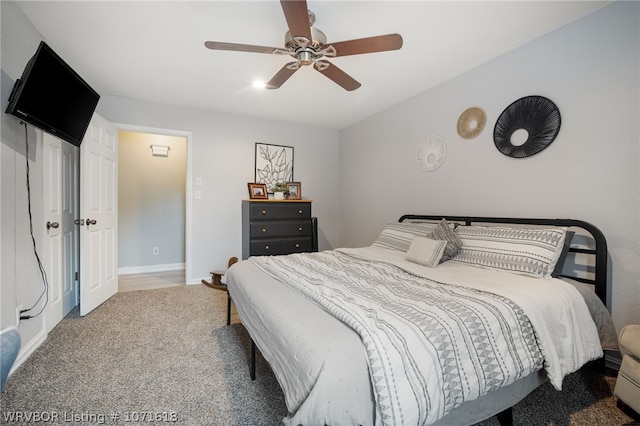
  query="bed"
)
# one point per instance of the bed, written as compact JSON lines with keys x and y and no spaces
{"x":442,"y":320}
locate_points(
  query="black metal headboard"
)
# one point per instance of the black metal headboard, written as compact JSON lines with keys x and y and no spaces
{"x":599,"y":252}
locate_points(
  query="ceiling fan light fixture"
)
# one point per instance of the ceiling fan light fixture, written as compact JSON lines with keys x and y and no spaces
{"x":305,"y":56}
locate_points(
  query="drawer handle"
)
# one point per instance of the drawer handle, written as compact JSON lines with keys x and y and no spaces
{"x":264,"y":230}
{"x":300,"y":229}
{"x":297,"y":245}
{"x":264,"y":212}
{"x":266,"y":247}
{"x":299,"y":211}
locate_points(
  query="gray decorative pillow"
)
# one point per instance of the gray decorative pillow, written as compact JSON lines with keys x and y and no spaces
{"x":446,"y":232}
{"x":399,"y":235}
{"x":532,"y":252}
{"x":557,"y":271}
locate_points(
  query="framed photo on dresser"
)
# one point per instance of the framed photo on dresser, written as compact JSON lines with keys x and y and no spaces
{"x":258,"y":191}
{"x":294,"y":190}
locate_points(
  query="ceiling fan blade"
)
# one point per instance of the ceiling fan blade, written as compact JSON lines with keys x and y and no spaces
{"x":381,"y":43}
{"x":216,"y":45}
{"x":281,"y":76}
{"x":338,"y":76}
{"x":297,"y":15}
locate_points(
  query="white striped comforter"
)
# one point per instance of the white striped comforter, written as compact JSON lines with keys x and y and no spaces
{"x":430,"y":345}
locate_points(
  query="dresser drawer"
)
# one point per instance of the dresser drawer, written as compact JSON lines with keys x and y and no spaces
{"x":280,"y":229}
{"x":262,"y":211}
{"x":272,"y":247}
{"x":266,"y":247}
{"x":297,"y":245}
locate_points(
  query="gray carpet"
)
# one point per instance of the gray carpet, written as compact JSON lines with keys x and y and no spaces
{"x":169,"y":352}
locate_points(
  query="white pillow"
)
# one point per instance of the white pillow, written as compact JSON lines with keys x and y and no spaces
{"x":426,"y":251}
{"x":398,"y":235}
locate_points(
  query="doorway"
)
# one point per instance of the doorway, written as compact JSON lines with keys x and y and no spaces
{"x":153,"y":208}
{"x":80,"y":252}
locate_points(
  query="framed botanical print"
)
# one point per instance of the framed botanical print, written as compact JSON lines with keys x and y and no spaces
{"x":273,"y":164}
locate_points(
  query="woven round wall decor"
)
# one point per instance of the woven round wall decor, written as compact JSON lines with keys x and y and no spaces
{"x":471,"y":123}
{"x":535,"y":116}
{"x":431,"y":153}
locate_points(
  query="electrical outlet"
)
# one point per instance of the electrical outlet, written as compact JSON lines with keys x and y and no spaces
{"x":156,"y":250}
{"x":18,"y":309}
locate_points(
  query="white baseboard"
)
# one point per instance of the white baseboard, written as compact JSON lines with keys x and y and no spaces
{"x":151,"y":268}
{"x":27,"y":349}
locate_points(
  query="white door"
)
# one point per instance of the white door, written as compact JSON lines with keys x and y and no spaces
{"x":99,"y":214}
{"x":52,"y":163}
{"x":60,"y":161}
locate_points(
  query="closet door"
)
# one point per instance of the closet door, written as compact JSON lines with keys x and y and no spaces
{"x":60,"y":174}
{"x":99,"y":214}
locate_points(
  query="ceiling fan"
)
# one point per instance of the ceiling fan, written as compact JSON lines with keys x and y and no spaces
{"x":308,"y":46}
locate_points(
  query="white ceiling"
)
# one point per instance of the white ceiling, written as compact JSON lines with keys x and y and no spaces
{"x":154,"y":50}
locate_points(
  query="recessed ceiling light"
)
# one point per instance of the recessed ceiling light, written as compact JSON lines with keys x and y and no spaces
{"x":259,"y":84}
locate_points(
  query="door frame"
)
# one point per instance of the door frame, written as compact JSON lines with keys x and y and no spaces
{"x":188,"y":190}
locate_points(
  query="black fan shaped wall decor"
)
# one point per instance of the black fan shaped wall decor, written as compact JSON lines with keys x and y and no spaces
{"x":537,"y":115}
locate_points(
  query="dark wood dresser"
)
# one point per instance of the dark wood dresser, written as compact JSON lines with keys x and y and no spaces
{"x":272,"y":227}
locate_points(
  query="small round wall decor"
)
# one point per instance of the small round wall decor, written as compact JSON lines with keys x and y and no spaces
{"x":431,"y":153}
{"x":526,"y":127}
{"x":471,"y":123}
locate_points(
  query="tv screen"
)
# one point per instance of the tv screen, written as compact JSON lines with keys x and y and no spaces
{"x":53,"y":97}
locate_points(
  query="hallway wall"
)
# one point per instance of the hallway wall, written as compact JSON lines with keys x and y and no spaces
{"x":151,"y":202}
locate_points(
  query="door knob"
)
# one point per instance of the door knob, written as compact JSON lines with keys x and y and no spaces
{"x":53,"y":225}
{"x":91,"y":222}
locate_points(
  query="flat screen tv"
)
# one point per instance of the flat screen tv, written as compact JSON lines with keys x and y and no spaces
{"x":53,"y":97}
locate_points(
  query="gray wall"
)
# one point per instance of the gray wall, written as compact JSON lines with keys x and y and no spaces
{"x":590,"y":172}
{"x":151,"y":202}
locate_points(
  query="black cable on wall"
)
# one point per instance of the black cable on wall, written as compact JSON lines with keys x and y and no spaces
{"x":45,"y":291}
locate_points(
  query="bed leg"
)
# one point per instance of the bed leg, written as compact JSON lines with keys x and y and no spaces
{"x":505,"y":418}
{"x":252,"y":372}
